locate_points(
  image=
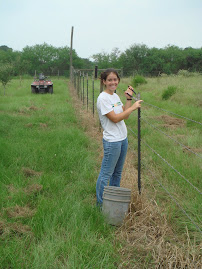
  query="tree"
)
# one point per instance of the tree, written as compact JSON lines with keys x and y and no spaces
{"x":193,"y":59}
{"x":133,"y":58}
{"x":21,"y":66}
{"x":5,"y":74}
{"x":40,"y":57}
{"x":102,"y":60}
{"x":5,"y":48}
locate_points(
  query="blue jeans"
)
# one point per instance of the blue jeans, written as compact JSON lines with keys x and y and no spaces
{"x":112,"y":166}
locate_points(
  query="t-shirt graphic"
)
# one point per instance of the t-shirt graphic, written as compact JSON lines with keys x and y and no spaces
{"x":117,"y":104}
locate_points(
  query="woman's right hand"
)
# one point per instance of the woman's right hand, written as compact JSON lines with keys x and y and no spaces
{"x":137,"y":104}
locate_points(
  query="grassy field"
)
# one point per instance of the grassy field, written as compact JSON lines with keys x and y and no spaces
{"x":48,"y":170}
{"x":162,"y":132}
{"x":49,"y":166}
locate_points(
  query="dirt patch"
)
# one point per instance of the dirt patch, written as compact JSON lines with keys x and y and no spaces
{"x":33,"y":189}
{"x":29,"y":125}
{"x":13,"y":228}
{"x":23,"y":112}
{"x":33,"y":108}
{"x":12,"y":189}
{"x":196,"y":150}
{"x":171,"y":122}
{"x":20,"y":228}
{"x":29,"y":190}
{"x":43,"y":125}
{"x":30,"y":173}
{"x":26,"y":110}
{"x":20,"y":212}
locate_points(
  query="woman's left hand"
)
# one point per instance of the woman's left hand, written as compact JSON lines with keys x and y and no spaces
{"x":128,"y":91}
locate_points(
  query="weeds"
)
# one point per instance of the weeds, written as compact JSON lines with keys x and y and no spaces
{"x":170,"y":91}
{"x":138,"y":80}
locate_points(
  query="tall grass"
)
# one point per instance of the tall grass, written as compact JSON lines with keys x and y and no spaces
{"x":48,"y":172}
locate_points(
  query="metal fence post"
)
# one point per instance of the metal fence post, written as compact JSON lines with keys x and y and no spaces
{"x":96,"y":69}
{"x":80,"y":86}
{"x":75,"y":80}
{"x":139,"y":147}
{"x":87,"y":89}
{"x":93,"y":97}
{"x":83,"y":88}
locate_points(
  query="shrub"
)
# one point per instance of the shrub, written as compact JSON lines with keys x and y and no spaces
{"x":186,"y":73}
{"x":167,"y":93}
{"x":138,"y":80}
{"x":164,"y":75}
{"x":6,"y":71}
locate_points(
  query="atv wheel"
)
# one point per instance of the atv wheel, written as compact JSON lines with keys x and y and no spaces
{"x":33,"y":89}
{"x":50,"y":90}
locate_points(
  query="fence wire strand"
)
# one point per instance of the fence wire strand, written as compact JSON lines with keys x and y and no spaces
{"x":170,"y":165}
{"x":173,"y":113}
{"x":170,"y":195}
{"x":182,"y":209}
{"x":171,"y":138}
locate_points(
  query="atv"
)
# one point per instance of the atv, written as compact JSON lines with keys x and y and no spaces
{"x":42,"y":85}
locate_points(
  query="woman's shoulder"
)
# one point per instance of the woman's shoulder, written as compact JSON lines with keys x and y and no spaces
{"x":116,"y":95}
{"x":102,"y":95}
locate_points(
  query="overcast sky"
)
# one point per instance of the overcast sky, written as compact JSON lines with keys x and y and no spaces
{"x":100,"y":26}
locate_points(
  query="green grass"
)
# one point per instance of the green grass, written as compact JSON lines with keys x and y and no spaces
{"x":185,"y":102}
{"x":42,"y":133}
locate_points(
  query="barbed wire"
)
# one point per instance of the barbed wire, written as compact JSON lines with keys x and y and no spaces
{"x":173,"y":113}
{"x":171,"y":196}
{"x":171,"y":138}
{"x":169,"y":165}
{"x":182,"y":209}
{"x":132,"y":131}
{"x":172,"y":167}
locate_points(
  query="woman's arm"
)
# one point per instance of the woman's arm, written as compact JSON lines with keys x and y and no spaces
{"x":127,"y":105}
{"x":125,"y":114}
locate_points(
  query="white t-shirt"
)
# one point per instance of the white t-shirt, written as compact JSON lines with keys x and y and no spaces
{"x":106,"y":103}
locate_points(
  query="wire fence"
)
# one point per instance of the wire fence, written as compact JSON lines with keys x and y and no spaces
{"x":84,"y":84}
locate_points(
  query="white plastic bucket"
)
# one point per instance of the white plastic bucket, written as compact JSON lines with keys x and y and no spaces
{"x":116,"y":201}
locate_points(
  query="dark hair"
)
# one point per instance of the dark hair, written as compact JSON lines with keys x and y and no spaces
{"x":106,"y":73}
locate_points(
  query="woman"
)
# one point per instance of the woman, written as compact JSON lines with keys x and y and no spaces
{"x":115,"y":143}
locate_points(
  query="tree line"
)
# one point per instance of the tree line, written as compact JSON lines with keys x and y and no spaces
{"x":137,"y":59}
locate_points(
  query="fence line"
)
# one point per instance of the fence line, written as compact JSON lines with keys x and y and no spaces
{"x":173,"y":113}
{"x":172,"y":138}
{"x":172,"y":167}
{"x":163,"y":187}
{"x":169,"y":164}
{"x":182,"y":209}
{"x":81,"y":92}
